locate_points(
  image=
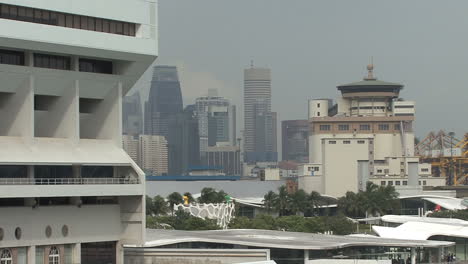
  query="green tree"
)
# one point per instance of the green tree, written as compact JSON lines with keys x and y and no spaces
{"x":174,"y":198}
{"x":210,"y":195}
{"x":340,"y":225}
{"x":240,"y":222}
{"x":313,"y":201}
{"x":270,"y":200}
{"x":159,"y":206}
{"x":283,"y":202}
{"x":149,"y":205}
{"x":298,"y":202}
{"x":314,"y":225}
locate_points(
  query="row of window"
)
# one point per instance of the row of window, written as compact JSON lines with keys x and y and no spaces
{"x":56,"y":62}
{"x":346,"y":142}
{"x":6,"y":256}
{"x":362,"y":127}
{"x":46,"y":17}
{"x":390,"y":183}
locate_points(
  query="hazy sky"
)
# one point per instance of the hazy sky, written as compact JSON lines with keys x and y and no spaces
{"x":313,"y":46}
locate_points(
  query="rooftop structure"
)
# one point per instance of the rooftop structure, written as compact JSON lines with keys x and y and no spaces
{"x":366,"y":136}
{"x":295,"y":246}
{"x":67,"y":188}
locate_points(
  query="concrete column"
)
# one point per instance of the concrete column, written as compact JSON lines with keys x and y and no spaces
{"x":413,"y":255}
{"x":76,"y":253}
{"x":119,"y":253}
{"x":31,"y":252}
{"x":306,"y":256}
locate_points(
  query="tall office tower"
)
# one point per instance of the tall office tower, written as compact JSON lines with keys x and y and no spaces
{"x":164,"y":102}
{"x":259,"y":121}
{"x":183,"y":142}
{"x":132,"y":116}
{"x":366,"y":136}
{"x":68,"y":191}
{"x":216,"y":121}
{"x":294,"y":135}
{"x":153,"y":154}
{"x":131,"y":146}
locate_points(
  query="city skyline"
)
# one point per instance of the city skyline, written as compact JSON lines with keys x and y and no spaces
{"x":304,"y":64}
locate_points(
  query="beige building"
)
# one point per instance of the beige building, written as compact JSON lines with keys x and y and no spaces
{"x":366,"y":136}
{"x":131,"y":146}
{"x":152,"y":155}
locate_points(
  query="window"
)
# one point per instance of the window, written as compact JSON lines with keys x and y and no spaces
{"x":397,"y":182}
{"x":384,"y":127}
{"x":318,"y":104}
{"x":51,"y":61}
{"x":11,"y":57}
{"x":97,"y":66}
{"x":47,"y":17}
{"x":405,"y":182}
{"x":343,"y":127}
{"x":361,"y":142}
{"x":54,"y":256}
{"x":379,"y":171}
{"x":386,"y":171}
{"x":425,"y":170}
{"x":325,"y":127}
{"x":396,"y":126}
{"x":390,"y":183}
{"x":364,"y":127}
{"x":6,"y":257}
{"x":318,"y":113}
{"x":424,"y":182}
{"x":346,"y":142}
{"x":332,"y":142}
{"x":382,"y":183}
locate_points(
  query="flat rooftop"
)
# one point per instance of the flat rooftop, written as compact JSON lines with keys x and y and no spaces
{"x":279,"y":239}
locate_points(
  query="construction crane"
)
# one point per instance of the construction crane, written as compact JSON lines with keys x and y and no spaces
{"x":447,"y":155}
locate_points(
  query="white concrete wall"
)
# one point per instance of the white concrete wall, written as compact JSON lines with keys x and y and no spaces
{"x":318,"y":108}
{"x":340,"y":165}
{"x":90,"y":223}
{"x":311,"y":183}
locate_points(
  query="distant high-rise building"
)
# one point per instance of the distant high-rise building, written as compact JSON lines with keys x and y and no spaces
{"x":132,"y":116}
{"x":131,"y":146}
{"x":216,"y":121}
{"x":259,"y":121}
{"x":153,"y":154}
{"x":184,"y":142}
{"x":294,"y":134}
{"x":164,"y":101}
{"x":227,"y":158}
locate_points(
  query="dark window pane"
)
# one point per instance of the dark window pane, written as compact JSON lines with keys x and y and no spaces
{"x":118,"y":27}
{"x":29,"y":14}
{"x":51,"y":61}
{"x":91,"y":25}
{"x":106,"y":26}
{"x":96,"y":66}
{"x":112,"y":27}
{"x":132,"y":29}
{"x":5,"y":11}
{"x":98,"y":24}
{"x":84,"y":23}
{"x":69,"y":21}
{"x":76,"y":22}
{"x":53,"y":18}
{"x":125,"y":29}
{"x":22,"y":13}
{"x":37,"y":16}
{"x":61,"y":20}
{"x":11,"y":57}
{"x":13,"y":11}
{"x":45,"y":17}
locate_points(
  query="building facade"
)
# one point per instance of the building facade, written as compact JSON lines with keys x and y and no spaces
{"x":153,"y":154}
{"x":68,"y":192}
{"x":164,"y":101}
{"x":131,"y":145}
{"x":132,"y":115}
{"x":294,"y":140}
{"x":366,"y":136}
{"x":216,"y":121}
{"x":259,"y":121}
{"x":227,"y":158}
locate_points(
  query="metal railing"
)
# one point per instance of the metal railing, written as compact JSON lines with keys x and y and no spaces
{"x":66,"y":181}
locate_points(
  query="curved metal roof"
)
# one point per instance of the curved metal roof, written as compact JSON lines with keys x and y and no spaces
{"x":370,"y":83}
{"x":278,"y":239}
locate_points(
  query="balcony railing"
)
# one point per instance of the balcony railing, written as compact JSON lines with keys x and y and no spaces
{"x":66,"y":181}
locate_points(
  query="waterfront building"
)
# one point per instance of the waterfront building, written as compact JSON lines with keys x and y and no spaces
{"x":227,"y":158}
{"x":68,"y":192}
{"x":366,"y":136}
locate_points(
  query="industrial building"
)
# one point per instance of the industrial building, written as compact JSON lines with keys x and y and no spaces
{"x":366,"y":136}
{"x":68,"y":191}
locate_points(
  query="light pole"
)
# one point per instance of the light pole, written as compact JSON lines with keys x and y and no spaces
{"x":452,"y":180}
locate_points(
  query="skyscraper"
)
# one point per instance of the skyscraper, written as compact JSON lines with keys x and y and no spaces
{"x":184,"y":142}
{"x":132,"y":116}
{"x":294,"y":134}
{"x":216,"y":121}
{"x":164,"y":101}
{"x":259,"y":121}
{"x":152,"y":154}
